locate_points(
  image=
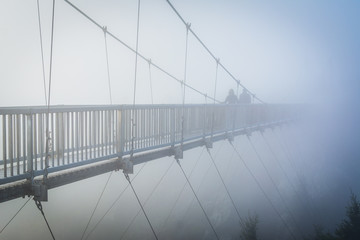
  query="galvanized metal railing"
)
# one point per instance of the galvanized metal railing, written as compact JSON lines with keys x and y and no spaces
{"x":85,"y":134}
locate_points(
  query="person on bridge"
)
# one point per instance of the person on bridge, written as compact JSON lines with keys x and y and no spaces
{"x":231,"y":98}
{"x":244,"y":97}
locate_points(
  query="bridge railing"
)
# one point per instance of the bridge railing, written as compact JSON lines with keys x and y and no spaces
{"x":80,"y":135}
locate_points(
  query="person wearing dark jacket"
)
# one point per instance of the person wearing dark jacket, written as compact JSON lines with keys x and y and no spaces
{"x":231,"y":98}
{"x":244,"y":97}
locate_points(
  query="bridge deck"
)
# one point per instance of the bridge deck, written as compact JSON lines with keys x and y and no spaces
{"x":84,"y":135}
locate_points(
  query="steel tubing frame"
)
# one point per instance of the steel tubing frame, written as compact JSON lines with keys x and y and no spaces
{"x":81,"y":135}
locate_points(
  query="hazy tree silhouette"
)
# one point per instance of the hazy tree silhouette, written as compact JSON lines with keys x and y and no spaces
{"x":249,"y":228}
{"x":348,"y":229}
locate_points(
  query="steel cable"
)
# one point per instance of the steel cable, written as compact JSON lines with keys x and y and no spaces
{"x":181,"y":191}
{"x":150,"y":80}
{"x":274,"y":184}
{"x":263,"y":191}
{"x":15,"y":215}
{"x":227,"y":190}
{"x":107,"y":64}
{"x":184,"y":88}
{"x":39,"y":206}
{"x":137,"y":53}
{"x":113,"y":204}
{"x":147,"y":199}
{"x":198,"y":200}
{"x":142,"y":207}
{"x":286,"y":151}
{"x":283,"y":170}
{"x":211,"y":54}
{"x":42,"y":50}
{"x":49,"y":97}
{"x":135,"y":78}
{"x":96,"y":205}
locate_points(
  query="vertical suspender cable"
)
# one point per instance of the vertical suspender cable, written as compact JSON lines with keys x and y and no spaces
{"x":42,"y":51}
{"x":184,"y":86}
{"x":107,"y":63}
{"x":135,"y":77}
{"x":150,"y":80}
{"x":108,"y":179}
{"x":208,"y":50}
{"x":213,"y":110}
{"x":133,"y":50}
{"x":49,"y":97}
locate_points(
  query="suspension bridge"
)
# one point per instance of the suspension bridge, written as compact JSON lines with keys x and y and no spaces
{"x":44,"y":147}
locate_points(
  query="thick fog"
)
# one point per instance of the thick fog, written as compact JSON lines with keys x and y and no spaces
{"x":304,"y":52}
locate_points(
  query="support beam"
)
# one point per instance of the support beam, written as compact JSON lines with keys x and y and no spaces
{"x":22,"y":188}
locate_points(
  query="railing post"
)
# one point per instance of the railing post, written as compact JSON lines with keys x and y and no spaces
{"x":29,"y":143}
{"x":120,"y":133}
{"x":172,"y":126}
{"x":4,"y":144}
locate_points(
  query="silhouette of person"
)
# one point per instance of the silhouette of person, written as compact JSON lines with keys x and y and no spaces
{"x":231,"y":98}
{"x":245,"y":97}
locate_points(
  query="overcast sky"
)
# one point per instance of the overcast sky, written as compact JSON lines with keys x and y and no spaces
{"x":284,"y":51}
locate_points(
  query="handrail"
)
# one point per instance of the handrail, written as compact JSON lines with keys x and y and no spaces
{"x":85,"y":134}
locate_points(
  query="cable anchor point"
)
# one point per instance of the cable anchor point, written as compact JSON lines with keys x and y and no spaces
{"x":208,"y":143}
{"x":104,"y":28}
{"x":178,"y":153}
{"x":127,"y":177}
{"x":127,"y":166}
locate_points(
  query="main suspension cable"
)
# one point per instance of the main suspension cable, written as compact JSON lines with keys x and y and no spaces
{"x":148,"y":198}
{"x":42,"y":51}
{"x":15,"y":214}
{"x":39,"y":206}
{"x":211,"y":54}
{"x":263,"y":191}
{"x":142,"y":208}
{"x":198,"y":200}
{"x":137,"y":53}
{"x":241,"y":220}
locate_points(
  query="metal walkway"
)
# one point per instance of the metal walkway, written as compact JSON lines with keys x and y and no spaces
{"x":98,"y":139}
